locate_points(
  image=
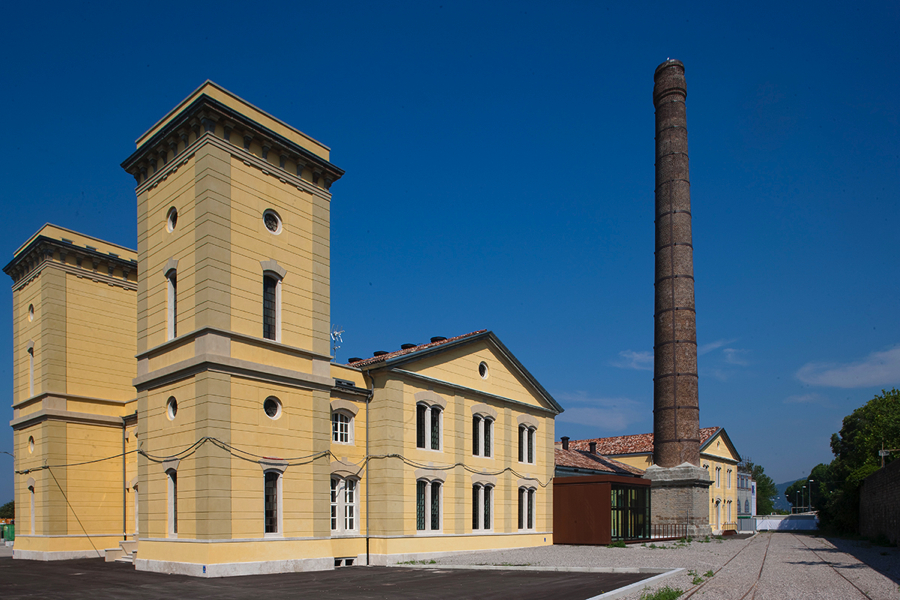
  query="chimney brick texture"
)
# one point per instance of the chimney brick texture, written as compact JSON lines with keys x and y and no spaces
{"x":676,"y":406}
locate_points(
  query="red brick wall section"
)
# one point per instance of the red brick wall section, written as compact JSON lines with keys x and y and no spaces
{"x":879,"y":504}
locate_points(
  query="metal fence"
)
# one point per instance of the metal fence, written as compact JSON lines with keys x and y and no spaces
{"x":668,"y":531}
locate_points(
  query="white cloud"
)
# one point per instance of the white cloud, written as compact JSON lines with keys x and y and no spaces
{"x":608,"y":414}
{"x":642,"y":361}
{"x":734,"y":356}
{"x":803,"y":399}
{"x":879,"y":368}
{"x":713,"y":346}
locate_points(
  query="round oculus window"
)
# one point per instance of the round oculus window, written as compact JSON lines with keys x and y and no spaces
{"x":272,"y":221}
{"x":272,"y":407}
{"x":171,"y":219}
{"x":483,"y":370}
{"x":30,"y":444}
{"x":30,"y":313}
{"x":171,"y":408}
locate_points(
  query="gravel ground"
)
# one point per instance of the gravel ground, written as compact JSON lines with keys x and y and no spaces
{"x":782,"y":566}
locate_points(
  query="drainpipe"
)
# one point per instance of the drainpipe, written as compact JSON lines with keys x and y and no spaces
{"x":368,"y":479}
{"x":124,"y":487}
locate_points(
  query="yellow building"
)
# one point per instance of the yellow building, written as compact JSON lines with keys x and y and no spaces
{"x":717,"y":455}
{"x":233,"y":445}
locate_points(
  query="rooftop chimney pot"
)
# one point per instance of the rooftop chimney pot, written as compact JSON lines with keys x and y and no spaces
{"x":592,"y":447}
{"x":565,"y":442}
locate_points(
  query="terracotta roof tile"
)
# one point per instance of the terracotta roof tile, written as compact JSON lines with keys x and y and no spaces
{"x":585,"y":460}
{"x":385,"y":357}
{"x":641,"y":443}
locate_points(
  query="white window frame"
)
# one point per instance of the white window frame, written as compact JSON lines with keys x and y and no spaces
{"x":429,"y":415}
{"x":530,"y":496}
{"x":527,"y":436}
{"x":274,"y":277}
{"x":172,"y":503}
{"x":279,"y":511}
{"x":479,"y":423}
{"x":429,"y":487}
{"x":336,"y":433}
{"x":728,"y":479}
{"x":171,"y":304}
{"x":479,"y":488}
{"x":718,"y":477}
{"x":340,"y":487}
{"x":31,"y":493}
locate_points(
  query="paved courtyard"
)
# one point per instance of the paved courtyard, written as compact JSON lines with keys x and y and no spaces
{"x":777,"y":566}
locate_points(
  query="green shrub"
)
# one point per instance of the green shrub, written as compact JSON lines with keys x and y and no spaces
{"x":666,"y":593}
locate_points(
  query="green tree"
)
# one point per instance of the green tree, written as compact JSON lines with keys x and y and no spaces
{"x":8,"y":510}
{"x":865,"y":431}
{"x":766,"y":492}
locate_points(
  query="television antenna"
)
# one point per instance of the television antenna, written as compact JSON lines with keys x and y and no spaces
{"x":336,"y":339}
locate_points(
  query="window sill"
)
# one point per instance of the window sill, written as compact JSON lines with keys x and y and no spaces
{"x":273,"y":536}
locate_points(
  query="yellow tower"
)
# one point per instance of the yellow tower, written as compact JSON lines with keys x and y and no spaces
{"x":232,"y":339}
{"x":73,"y":402}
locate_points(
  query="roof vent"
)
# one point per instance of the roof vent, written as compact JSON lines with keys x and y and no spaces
{"x":354,"y":359}
{"x":343,"y":382}
{"x":407,"y":346}
{"x":565,"y":442}
{"x":438,"y":339}
{"x":592,"y":447}
{"x":380,"y":353}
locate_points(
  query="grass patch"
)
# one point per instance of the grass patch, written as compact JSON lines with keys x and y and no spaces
{"x":708,"y":574}
{"x":418,"y":562}
{"x":617,"y":545}
{"x":666,"y":593}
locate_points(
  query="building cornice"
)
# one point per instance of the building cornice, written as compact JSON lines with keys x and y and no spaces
{"x":68,"y":416}
{"x":201,"y":117}
{"x":41,"y":252}
{"x":231,"y":366}
{"x":241,"y":337}
{"x":42,"y":396}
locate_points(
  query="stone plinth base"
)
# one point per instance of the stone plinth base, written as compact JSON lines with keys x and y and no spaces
{"x":680,"y":496}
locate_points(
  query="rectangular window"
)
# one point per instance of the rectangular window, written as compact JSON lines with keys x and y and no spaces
{"x":270,"y":324}
{"x":340,"y":428}
{"x":271,"y":502}
{"x":334,"y":504}
{"x":530,"y":509}
{"x":476,"y":435}
{"x":531,"y":446}
{"x":349,"y":505}
{"x":487,"y":507}
{"x":31,"y":372}
{"x":435,"y":505}
{"x":522,"y":500}
{"x":420,"y":425}
{"x":487,"y":437}
{"x":435,"y":428}
{"x":522,"y":445}
{"x":172,"y":316}
{"x":173,"y":502}
{"x":420,"y":505}
{"x":476,"y":506}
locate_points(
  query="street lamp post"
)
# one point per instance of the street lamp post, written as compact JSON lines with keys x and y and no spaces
{"x":797,"y":501}
{"x":801,"y":493}
{"x":811,"y":481}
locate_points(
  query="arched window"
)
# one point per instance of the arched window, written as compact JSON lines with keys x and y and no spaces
{"x":482,"y":507}
{"x":428,"y":426}
{"x":30,"y":369}
{"x":482,"y":436}
{"x":31,"y":497}
{"x":526,"y":508}
{"x":172,"y":481}
{"x":344,"y":505}
{"x":526,"y":444}
{"x":428,"y":505}
{"x":172,"y":305}
{"x":272,"y":501}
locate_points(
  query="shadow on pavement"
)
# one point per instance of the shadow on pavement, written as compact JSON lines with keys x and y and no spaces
{"x":884,"y":560}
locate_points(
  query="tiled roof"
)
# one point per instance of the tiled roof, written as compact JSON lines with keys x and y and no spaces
{"x":578,"y":459}
{"x":641,"y":443}
{"x":385,"y":357}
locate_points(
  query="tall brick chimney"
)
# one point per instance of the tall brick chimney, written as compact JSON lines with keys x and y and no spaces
{"x":676,"y":407}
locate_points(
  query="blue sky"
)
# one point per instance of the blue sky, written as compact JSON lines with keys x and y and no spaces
{"x":499,"y":161}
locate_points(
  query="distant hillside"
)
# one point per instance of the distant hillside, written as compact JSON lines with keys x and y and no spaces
{"x":781,"y":502}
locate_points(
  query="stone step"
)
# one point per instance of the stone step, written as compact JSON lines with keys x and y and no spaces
{"x":112,"y":554}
